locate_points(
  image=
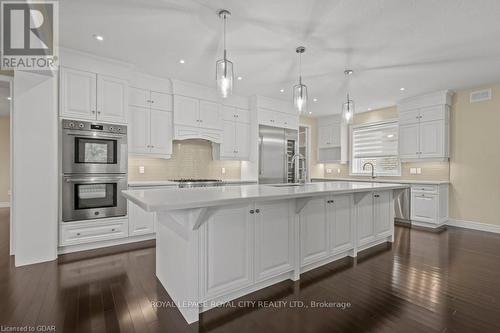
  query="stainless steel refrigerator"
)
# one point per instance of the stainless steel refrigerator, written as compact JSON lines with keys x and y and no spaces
{"x":277,"y":146}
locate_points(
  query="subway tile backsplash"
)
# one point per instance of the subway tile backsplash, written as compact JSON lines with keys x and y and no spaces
{"x":190,"y":159}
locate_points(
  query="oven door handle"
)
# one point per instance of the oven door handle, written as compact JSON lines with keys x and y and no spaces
{"x":114,"y":136}
{"x":94,"y":179}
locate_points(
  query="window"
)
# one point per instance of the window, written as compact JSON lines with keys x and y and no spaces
{"x":376,"y":144}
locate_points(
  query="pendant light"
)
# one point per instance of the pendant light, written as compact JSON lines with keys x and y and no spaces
{"x":300,"y":90}
{"x":224,"y":67}
{"x":348,"y":106}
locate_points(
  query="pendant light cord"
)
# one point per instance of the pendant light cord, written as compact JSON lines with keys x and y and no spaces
{"x":300,"y":68}
{"x":225,"y":58}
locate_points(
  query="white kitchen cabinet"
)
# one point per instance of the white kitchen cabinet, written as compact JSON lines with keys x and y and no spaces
{"x":274,"y":238}
{"x":235,"y":143}
{"x":374,"y":216}
{"x":209,"y":115}
{"x":227,"y":147}
{"x":139,"y":97}
{"x":82,"y":232}
{"x":278,"y":119}
{"x":227,"y":244}
{"x":329,"y":135}
{"x":431,"y":139}
{"x":364,"y":219}
{"x":160,"y":101}
{"x":314,"y":231}
{"x":150,"y":132}
{"x":382,"y":214}
{"x":141,"y":222}
{"x":409,"y":141}
{"x":429,"y":204}
{"x":92,"y":96}
{"x":231,"y":113}
{"x":341,"y":224}
{"x":186,"y":111}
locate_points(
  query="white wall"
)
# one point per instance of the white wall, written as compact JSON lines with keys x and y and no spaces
{"x":35,"y":168}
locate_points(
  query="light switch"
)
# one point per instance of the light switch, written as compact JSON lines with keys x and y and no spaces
{"x":328,"y":170}
{"x":413,"y":171}
{"x":223,"y":171}
{"x":419,"y":171}
{"x":141,"y":169}
{"x":338,"y":171}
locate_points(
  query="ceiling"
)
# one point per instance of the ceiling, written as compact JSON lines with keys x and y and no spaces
{"x":421,"y":45}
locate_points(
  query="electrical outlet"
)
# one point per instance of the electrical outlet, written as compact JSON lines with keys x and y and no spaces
{"x":328,"y":170}
{"x":413,"y":171}
{"x":141,"y":169}
{"x":419,"y":171}
{"x":338,"y":171}
{"x":223,"y":171}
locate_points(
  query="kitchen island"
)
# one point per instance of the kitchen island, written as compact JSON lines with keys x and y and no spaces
{"x":219,"y":243}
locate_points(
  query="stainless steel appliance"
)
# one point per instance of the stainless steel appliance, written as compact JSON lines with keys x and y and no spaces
{"x":402,"y":203}
{"x":94,"y":166}
{"x":277,"y":147}
{"x":93,"y":148}
{"x":93,"y":196}
{"x":190,"y":182}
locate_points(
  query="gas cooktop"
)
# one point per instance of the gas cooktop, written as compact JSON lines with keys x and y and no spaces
{"x":194,"y":180}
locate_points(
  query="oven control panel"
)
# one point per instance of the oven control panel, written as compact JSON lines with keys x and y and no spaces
{"x":93,"y":127}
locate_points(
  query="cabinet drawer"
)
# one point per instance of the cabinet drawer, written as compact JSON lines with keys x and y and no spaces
{"x":87,"y":232}
{"x":431,"y":189}
{"x":424,"y":207}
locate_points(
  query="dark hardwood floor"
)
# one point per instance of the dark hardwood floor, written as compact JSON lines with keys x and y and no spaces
{"x":424,"y":282}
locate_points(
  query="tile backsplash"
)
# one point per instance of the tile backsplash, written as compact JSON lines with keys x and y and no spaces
{"x":190,"y":159}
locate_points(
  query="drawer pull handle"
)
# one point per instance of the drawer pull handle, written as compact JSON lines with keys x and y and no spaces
{"x":376,"y":195}
{"x":113,"y":229}
{"x":252,"y":211}
{"x":257,"y":211}
{"x":78,"y":234}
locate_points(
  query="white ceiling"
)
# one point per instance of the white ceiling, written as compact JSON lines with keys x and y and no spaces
{"x":421,"y":45}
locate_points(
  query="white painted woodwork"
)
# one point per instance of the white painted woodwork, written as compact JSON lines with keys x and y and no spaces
{"x":210,"y":115}
{"x":186,"y":111}
{"x":139,"y":130}
{"x":161,"y":132}
{"x":431,"y":139}
{"x":139,"y":97}
{"x":227,"y":250}
{"x":111,"y":99}
{"x":329,"y":135}
{"x":160,"y":101}
{"x":140,"y":221}
{"x":228,"y":145}
{"x":242,"y":140}
{"x":409,"y":141}
{"x":274,"y":238}
{"x":314,"y":231}
{"x":341,"y":224}
{"x":72,"y":233}
{"x":365,"y":219}
{"x":424,"y":207}
{"x":382,"y":214}
{"x":235,"y":143}
{"x":78,"y":94}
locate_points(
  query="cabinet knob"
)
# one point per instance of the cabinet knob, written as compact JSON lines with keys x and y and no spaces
{"x":152,"y":102}
{"x":98,"y":112}
{"x":376,"y":195}
{"x":113,"y":229}
{"x":257,"y":211}
{"x":252,"y":211}
{"x":78,"y":234}
{"x":93,"y":111}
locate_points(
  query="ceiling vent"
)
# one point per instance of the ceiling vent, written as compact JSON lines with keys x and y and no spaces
{"x":480,"y":95}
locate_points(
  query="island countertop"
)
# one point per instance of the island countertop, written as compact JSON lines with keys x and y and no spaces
{"x":164,"y":199}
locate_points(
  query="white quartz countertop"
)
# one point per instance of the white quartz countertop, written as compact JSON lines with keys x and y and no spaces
{"x":400,"y":181}
{"x":170,"y":198}
{"x":145,"y":183}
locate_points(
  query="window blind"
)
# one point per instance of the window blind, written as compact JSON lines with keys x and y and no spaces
{"x":375,"y":141}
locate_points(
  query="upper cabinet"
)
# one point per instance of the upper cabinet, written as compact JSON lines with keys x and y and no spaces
{"x":150,"y":122}
{"x":424,"y":127}
{"x":235,"y":143}
{"x":332,"y":140}
{"x":92,"y":96}
{"x":329,"y":135}
{"x":197,"y":119}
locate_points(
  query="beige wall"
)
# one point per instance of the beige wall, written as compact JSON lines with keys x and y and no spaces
{"x":190,"y":159}
{"x":4,"y":159}
{"x":475,"y":157}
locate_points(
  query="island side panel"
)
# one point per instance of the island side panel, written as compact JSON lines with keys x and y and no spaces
{"x":177,"y":257}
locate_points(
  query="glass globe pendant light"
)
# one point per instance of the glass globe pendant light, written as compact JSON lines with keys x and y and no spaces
{"x":223,"y":67}
{"x":300,"y":90}
{"x":348,"y":106}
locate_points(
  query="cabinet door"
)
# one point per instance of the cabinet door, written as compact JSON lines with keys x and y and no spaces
{"x":210,"y":115}
{"x":228,"y":145}
{"x":268,"y":117}
{"x":161,"y":132}
{"x":273,"y":238}
{"x":228,"y":113}
{"x":314,"y":231}
{"x":382,"y":214}
{"x":186,"y":111}
{"x":227,"y":250}
{"x":430,"y":113}
{"x":138,"y":130}
{"x":111,"y":99}
{"x":140,"y":221}
{"x":324,"y":136}
{"x":409,"y":141}
{"x":364,"y":219}
{"x":138,"y":97}
{"x":409,"y":117}
{"x":288,"y":121}
{"x":242,"y":116}
{"x":242,"y":140}
{"x":161,"y":101}
{"x":342,"y":238}
{"x":78,"y":94}
{"x":432,"y":139}
{"x":424,"y":207}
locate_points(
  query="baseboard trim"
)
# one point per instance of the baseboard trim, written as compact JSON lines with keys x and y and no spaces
{"x":4,"y":204}
{"x":474,"y":225}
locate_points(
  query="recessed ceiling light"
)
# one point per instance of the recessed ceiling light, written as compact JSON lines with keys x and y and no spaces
{"x":315,"y":99}
{"x":282,"y":90}
{"x":182,"y":61}
{"x":390,"y":136}
{"x":239,"y":78}
{"x":98,"y":37}
{"x":369,"y":109}
{"x":402,"y":89}
{"x":310,"y":112}
{"x":9,"y":98}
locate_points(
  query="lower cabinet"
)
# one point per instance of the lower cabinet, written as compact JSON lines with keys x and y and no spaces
{"x":326,"y":226}
{"x":244,"y":244}
{"x":141,"y":222}
{"x":374,"y":216}
{"x":81,"y":232}
{"x":429,"y":204}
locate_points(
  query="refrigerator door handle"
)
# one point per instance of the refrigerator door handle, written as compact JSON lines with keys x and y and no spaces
{"x":261,"y":164}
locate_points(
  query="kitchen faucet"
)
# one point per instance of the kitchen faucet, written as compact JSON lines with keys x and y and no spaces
{"x":300,"y":177}
{"x":373,"y":168}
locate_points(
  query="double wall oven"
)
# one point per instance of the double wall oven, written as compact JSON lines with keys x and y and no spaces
{"x":94,"y":165}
